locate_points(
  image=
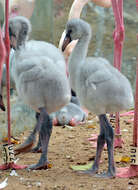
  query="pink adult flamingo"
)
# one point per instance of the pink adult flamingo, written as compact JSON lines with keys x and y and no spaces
{"x":26,"y":8}
{"x":132,"y":170}
{"x":22,"y":7}
{"x":5,"y":48}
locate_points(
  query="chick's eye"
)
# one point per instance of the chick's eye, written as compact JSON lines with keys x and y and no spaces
{"x":70,"y":31}
{"x":10,"y":32}
{"x":24,"y":32}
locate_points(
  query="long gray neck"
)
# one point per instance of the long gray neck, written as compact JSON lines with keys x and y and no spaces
{"x":77,"y":58}
{"x":16,"y":63}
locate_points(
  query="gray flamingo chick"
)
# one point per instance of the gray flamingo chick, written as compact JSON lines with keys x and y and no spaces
{"x":99,"y":86}
{"x":70,"y":114}
{"x":41,"y":82}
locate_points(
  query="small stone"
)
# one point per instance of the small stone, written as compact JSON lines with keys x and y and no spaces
{"x":71,"y":137}
{"x":81,"y":185}
{"x":38,"y":184}
{"x":21,"y":178}
{"x":29,"y":186}
{"x":68,"y":156}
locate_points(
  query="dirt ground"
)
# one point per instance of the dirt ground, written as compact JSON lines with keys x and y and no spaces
{"x":70,"y":146}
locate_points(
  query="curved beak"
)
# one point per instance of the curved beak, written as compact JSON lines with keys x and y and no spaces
{"x":66,"y":41}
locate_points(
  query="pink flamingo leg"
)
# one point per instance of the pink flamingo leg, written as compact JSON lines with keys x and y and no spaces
{"x":129,"y":113}
{"x":132,"y":171}
{"x":118,"y":36}
{"x":7,"y":45}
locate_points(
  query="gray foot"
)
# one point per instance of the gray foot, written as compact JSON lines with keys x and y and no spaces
{"x":106,"y":175}
{"x":42,"y":164}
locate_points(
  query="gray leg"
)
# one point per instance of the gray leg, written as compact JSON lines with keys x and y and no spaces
{"x":100,"y":146}
{"x":38,"y":147}
{"x":45,"y":131}
{"x":109,"y":137}
{"x":28,"y":144}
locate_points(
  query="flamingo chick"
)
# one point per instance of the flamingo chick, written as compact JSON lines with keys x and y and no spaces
{"x":99,"y":86}
{"x":41,"y":82}
{"x":70,"y":114}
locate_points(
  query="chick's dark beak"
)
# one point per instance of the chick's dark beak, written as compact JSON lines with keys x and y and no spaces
{"x":12,"y":43}
{"x":66,"y":41}
{"x":12,"y":39}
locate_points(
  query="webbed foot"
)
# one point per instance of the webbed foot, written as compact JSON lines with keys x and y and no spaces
{"x":41,"y":165}
{"x":108,"y":175}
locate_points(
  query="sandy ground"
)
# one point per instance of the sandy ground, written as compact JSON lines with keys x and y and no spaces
{"x":70,"y":146}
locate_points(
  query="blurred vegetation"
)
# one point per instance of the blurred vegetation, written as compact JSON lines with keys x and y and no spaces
{"x":1,"y":14}
{"x":42,"y":21}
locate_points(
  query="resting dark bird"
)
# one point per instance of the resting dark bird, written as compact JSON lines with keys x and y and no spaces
{"x":99,"y":86}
